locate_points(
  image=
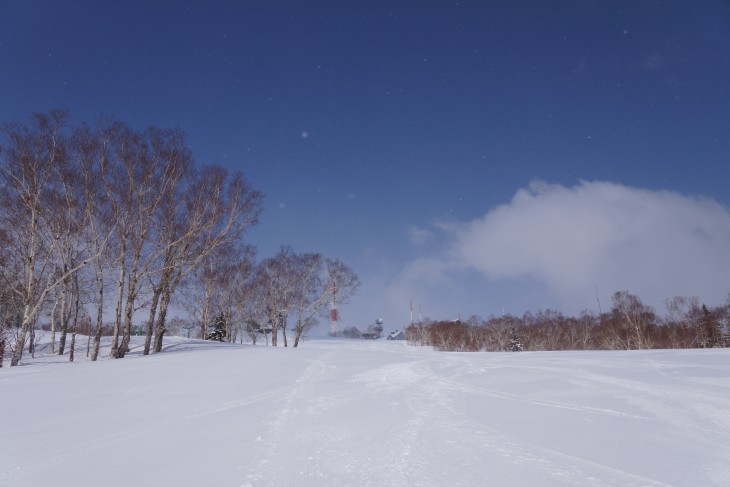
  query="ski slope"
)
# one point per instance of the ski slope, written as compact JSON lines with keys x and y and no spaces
{"x":367,"y":413}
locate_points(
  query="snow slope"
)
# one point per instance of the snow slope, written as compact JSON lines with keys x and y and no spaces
{"x":367,"y":413}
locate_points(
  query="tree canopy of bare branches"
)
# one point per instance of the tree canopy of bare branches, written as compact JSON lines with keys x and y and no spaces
{"x":629,"y":325}
{"x":42,"y":214}
{"x":133,"y":203}
{"x":104,"y":205}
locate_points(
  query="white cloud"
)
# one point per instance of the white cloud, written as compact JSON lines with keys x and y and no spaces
{"x":419,"y":236}
{"x":427,"y":284}
{"x":566,"y":241}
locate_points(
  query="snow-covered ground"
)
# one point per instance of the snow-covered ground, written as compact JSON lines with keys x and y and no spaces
{"x":367,"y":413}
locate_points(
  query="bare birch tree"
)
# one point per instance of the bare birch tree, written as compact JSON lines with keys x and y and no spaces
{"x":27,"y":169}
{"x":212,"y":286}
{"x":319,"y":282}
{"x":118,"y":183}
{"x":632,"y":321}
{"x":151,"y":164}
{"x":91,"y":148}
{"x":217,"y":208}
{"x":10,"y":304}
{"x":275,"y":284}
{"x":300,"y":286}
{"x":68,"y":219}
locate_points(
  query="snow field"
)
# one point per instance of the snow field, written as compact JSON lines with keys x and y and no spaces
{"x":368,"y":413}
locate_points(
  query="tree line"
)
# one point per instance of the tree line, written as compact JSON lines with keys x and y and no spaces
{"x":103,"y":215}
{"x":628,"y":325}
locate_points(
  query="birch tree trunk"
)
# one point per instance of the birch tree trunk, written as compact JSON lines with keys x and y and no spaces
{"x":99,"y":316}
{"x":53,"y":323}
{"x":150,"y":323}
{"x":120,"y":297}
{"x":129,"y":309}
{"x":160,"y":326}
{"x":31,"y":342}
{"x":64,"y":318}
{"x":77,"y":306}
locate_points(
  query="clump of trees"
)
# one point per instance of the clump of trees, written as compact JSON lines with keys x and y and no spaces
{"x":288,"y":291}
{"x":628,"y":325}
{"x":88,"y":206}
{"x":374,"y":331}
{"x":106,"y":216}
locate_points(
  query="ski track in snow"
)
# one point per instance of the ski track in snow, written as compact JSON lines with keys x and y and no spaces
{"x":73,"y":451}
{"x":708,"y":415}
{"x":342,"y":413}
{"x":411,"y":458}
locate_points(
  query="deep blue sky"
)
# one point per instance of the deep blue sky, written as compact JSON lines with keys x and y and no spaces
{"x":377,"y":129}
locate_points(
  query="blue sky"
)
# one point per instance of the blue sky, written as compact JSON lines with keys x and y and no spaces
{"x":470,"y":157}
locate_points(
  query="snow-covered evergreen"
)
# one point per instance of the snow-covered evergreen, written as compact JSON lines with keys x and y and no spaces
{"x":219,"y":329}
{"x":515,"y":344}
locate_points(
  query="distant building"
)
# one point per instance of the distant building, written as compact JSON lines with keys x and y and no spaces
{"x":397,"y":335}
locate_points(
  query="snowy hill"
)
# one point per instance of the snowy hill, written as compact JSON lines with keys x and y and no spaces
{"x":369,"y":413}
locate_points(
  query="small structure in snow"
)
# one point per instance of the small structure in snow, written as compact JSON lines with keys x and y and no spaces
{"x":375,"y":330}
{"x":397,"y":335}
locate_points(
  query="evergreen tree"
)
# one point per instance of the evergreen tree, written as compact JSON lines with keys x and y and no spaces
{"x":710,"y":329}
{"x":219,"y":329}
{"x":515,"y":345}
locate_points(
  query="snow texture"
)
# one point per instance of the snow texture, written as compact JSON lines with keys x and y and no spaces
{"x":367,"y":413}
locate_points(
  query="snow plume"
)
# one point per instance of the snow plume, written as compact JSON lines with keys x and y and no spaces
{"x":559,"y":244}
{"x":419,"y":236}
